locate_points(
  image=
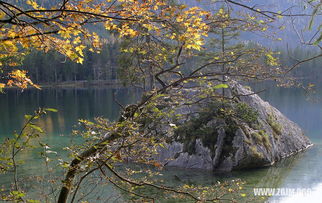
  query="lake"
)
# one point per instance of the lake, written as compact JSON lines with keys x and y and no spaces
{"x":302,"y":171}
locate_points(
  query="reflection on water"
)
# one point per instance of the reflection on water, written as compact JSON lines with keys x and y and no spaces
{"x":72,"y":104}
{"x":300,"y":171}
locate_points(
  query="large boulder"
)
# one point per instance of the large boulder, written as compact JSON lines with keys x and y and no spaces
{"x":245,"y":132}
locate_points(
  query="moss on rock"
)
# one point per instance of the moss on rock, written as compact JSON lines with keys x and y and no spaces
{"x":277,"y":128}
{"x":255,"y":153}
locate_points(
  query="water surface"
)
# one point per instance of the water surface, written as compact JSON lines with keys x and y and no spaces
{"x":300,"y":171}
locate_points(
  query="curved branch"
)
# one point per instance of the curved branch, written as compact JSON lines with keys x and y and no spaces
{"x":74,"y":166}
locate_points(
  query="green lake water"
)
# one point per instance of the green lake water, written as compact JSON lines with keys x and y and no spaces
{"x":300,"y":171}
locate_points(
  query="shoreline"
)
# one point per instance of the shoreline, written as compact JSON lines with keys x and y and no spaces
{"x":78,"y":84}
{"x":82,"y":83}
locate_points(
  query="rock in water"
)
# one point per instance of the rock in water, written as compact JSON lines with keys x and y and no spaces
{"x":245,"y":132}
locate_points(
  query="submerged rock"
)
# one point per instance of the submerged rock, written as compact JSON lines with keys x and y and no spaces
{"x":245,"y":132}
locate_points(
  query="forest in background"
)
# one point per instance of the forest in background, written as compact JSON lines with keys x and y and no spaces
{"x":52,"y":67}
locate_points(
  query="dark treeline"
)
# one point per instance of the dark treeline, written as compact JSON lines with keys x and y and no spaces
{"x":311,"y":69}
{"x":52,"y":67}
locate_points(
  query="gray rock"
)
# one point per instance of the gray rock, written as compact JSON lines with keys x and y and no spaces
{"x":238,"y":145}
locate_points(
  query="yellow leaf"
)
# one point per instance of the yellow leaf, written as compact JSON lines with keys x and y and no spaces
{"x":2,"y":14}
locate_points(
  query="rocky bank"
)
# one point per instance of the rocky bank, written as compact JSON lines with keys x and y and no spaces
{"x":243,"y":132}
